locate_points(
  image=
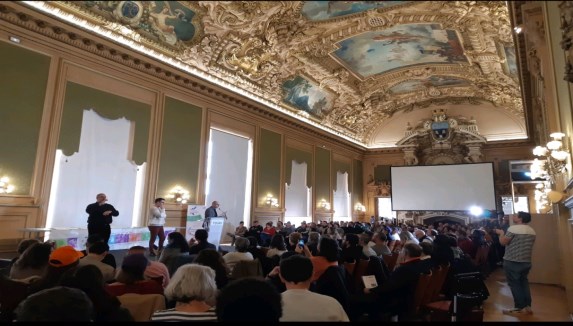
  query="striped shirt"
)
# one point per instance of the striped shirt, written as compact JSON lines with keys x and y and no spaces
{"x":174,"y":315}
{"x":521,"y":245}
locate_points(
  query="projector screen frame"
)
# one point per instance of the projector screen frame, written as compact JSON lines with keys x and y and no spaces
{"x":444,"y":210}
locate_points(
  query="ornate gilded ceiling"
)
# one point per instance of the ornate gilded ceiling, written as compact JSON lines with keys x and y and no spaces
{"x":352,"y":66}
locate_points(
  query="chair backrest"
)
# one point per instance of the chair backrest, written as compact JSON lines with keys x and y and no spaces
{"x":481,"y":255}
{"x":437,"y":283}
{"x":247,"y":268}
{"x":391,"y":260}
{"x":433,"y":286}
{"x":359,"y":271}
{"x":349,"y":267}
{"x":11,"y":294}
{"x":142,"y":306}
{"x":421,"y":289}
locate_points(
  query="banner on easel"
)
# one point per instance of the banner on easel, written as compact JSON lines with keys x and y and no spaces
{"x":195,"y":217}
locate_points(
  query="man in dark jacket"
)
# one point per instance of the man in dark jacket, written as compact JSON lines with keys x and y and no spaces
{"x":396,"y":295}
{"x":100,"y":217}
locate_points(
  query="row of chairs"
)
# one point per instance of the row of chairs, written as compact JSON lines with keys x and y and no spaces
{"x":469,"y":293}
{"x":427,"y":297}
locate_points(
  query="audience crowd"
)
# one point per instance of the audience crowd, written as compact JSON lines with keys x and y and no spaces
{"x":276,"y":273}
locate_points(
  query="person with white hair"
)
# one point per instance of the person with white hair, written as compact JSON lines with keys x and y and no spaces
{"x":194,"y":290}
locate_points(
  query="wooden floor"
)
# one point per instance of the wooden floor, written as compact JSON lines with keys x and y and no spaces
{"x":548,"y":301}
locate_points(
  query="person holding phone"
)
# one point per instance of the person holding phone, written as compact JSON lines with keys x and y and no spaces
{"x":328,"y":253}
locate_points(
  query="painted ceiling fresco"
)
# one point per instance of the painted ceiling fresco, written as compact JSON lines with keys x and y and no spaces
{"x":322,"y":10}
{"x":377,"y":52}
{"x":347,"y":66}
{"x":433,"y":81}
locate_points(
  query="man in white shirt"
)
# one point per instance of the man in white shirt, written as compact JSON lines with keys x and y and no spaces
{"x":96,"y":253}
{"x":299,"y":304}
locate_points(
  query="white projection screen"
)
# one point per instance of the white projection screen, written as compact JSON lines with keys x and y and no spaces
{"x":443,"y":187}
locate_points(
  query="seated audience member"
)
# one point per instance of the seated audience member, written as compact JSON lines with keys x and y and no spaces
{"x":61,"y":260}
{"x":176,"y":245}
{"x":240,"y":231}
{"x":465,"y":243}
{"x":248,"y":300}
{"x":313,"y":240}
{"x":193,"y":288}
{"x":240,"y":253}
{"x":299,"y":304}
{"x":108,"y":259}
{"x":266,"y":235}
{"x":426,"y":257}
{"x":131,"y":279}
{"x":58,"y":304}
{"x":396,"y":295}
{"x":288,"y":229}
{"x":293,"y":240}
{"x":90,"y":280}
{"x":154,"y":269}
{"x":351,"y":250}
{"x":255,"y":231}
{"x":96,"y":253}
{"x":328,"y":255}
{"x":201,"y":243}
{"x":364,"y":239}
{"x":442,"y":253}
{"x":422,"y":237}
{"x":277,"y":246}
{"x":32,"y":263}
{"x":22,"y":246}
{"x":254,"y":249}
{"x":380,"y":246}
{"x":213,"y":259}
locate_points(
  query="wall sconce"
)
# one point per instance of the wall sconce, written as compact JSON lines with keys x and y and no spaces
{"x":545,"y":197}
{"x":5,"y":187}
{"x":359,"y":208}
{"x":179,"y":195}
{"x":554,"y":162}
{"x":271,"y":201}
{"x":324,"y":204}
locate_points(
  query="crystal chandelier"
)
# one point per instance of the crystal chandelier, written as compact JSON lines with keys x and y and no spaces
{"x":554,"y":160}
{"x":179,"y":195}
{"x":5,"y":187}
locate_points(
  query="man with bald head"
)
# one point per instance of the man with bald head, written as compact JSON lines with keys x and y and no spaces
{"x":211,"y":211}
{"x":100,"y":217}
{"x":422,"y":237}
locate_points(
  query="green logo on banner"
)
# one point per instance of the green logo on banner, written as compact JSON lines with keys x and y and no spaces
{"x":193,"y":218}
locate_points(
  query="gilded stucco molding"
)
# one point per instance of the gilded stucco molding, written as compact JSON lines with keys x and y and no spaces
{"x":260,"y":46}
{"x":37,"y":23}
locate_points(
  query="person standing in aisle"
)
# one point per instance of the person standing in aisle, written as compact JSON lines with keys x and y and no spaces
{"x":518,"y":242}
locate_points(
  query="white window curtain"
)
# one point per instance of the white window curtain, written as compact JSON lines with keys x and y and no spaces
{"x":102,"y":165}
{"x":229,"y":177}
{"x":297,"y":195}
{"x":341,"y":198}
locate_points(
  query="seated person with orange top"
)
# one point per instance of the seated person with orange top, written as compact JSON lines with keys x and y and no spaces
{"x":131,"y":279}
{"x":328,"y":254}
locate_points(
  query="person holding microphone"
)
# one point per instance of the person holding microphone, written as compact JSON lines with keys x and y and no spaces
{"x":156,"y":222}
